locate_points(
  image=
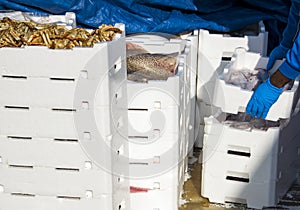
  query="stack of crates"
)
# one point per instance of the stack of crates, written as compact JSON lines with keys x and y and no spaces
{"x":255,"y":167}
{"x":62,"y":127}
{"x":212,"y":60}
{"x":157,"y":131}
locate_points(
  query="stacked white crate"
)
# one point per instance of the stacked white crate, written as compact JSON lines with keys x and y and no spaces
{"x":62,"y":116}
{"x":214,"y":51}
{"x":157,"y":129}
{"x":191,"y":70}
{"x":251,"y":167}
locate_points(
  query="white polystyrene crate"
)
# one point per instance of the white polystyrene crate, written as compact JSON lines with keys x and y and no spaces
{"x":202,"y":110}
{"x":78,"y":69}
{"x":212,"y":59}
{"x":232,"y":99}
{"x":153,"y":124}
{"x":227,"y":44}
{"x":166,"y":147}
{"x":151,"y":179}
{"x":159,"y":46}
{"x":256,"y":161}
{"x":254,"y":195}
{"x":56,"y":181}
{"x":221,"y":137}
{"x":57,"y":153}
{"x":29,"y":202}
{"x":68,"y":19}
{"x":167,"y":199}
{"x":39,"y":122}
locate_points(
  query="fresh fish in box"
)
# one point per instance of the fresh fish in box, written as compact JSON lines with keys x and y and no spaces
{"x":143,"y":66}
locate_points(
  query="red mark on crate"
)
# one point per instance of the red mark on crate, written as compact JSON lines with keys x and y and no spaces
{"x":138,"y":189}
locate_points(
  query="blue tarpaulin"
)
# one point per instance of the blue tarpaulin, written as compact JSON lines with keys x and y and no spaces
{"x":164,"y":15}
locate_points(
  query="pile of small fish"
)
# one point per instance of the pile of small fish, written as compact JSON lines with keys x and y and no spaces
{"x":143,"y":66}
{"x":244,"y":121}
{"x":245,"y":78}
{"x":14,"y":33}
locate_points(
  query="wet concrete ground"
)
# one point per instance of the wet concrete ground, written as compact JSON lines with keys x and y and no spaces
{"x":192,"y":194}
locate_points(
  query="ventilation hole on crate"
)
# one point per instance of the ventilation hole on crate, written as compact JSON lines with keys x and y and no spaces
{"x":14,"y":77}
{"x":67,"y":169}
{"x":85,"y":105}
{"x":23,"y":194}
{"x":1,"y":160}
{"x":156,"y":160}
{"x":226,"y":58}
{"x":120,"y":207}
{"x":89,"y":194}
{"x":17,"y":107}
{"x":121,"y":150}
{"x":88,"y":165}
{"x":156,"y":185}
{"x":121,"y":179}
{"x":63,"y":110}
{"x":65,"y":140}
{"x":138,"y":109}
{"x":84,"y":74}
{"x":68,"y":197}
{"x":19,"y":138}
{"x":157,"y":105}
{"x":21,"y":166}
{"x":87,"y":136}
{"x":237,"y":179}
{"x":239,"y":153}
{"x":62,"y":79}
{"x":118,"y":65}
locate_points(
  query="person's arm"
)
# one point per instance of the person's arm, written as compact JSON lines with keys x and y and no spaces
{"x":268,"y":92}
{"x":290,"y":68}
{"x":289,"y":35}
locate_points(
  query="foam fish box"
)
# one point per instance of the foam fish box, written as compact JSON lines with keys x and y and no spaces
{"x":157,"y":175}
{"x":212,"y":59}
{"x":250,"y":167}
{"x":65,"y":113}
{"x":232,"y":99}
{"x":156,"y":199}
{"x":156,"y":108}
{"x":29,"y":202}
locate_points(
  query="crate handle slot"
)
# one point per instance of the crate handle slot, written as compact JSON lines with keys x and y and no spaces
{"x":65,"y":140}
{"x":67,"y":169}
{"x":238,"y":177}
{"x":138,"y":109}
{"x":21,"y":166}
{"x":138,"y":137}
{"x":23,"y":194}
{"x":14,"y":77}
{"x":68,"y":197}
{"x":63,"y":110}
{"x":16,"y":107}
{"x":62,"y":79}
{"x":238,"y":153}
{"x":138,"y":163}
{"x":19,"y":137}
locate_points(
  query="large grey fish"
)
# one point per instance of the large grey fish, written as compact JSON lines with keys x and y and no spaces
{"x":143,"y":66}
{"x":152,"y":66}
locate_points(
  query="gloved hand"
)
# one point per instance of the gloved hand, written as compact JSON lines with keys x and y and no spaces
{"x":262,"y":99}
{"x":277,"y":53}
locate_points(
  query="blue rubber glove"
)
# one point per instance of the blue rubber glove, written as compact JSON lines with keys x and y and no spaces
{"x":262,"y":99}
{"x":277,"y":53}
